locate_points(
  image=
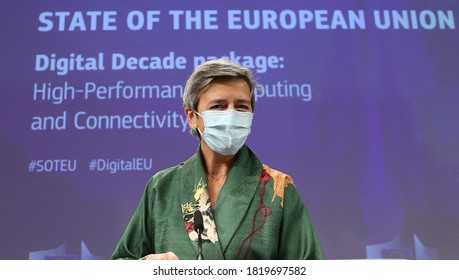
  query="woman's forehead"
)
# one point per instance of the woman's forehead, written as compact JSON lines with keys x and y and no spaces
{"x":235,"y":88}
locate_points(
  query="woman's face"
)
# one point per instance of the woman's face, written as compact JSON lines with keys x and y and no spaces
{"x":222,"y":95}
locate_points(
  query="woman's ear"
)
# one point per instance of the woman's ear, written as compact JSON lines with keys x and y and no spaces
{"x":191,"y":117}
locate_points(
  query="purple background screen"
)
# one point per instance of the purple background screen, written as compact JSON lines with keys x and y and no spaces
{"x":358,"y":102}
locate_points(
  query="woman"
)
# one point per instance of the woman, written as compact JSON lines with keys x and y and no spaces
{"x":249,"y":210}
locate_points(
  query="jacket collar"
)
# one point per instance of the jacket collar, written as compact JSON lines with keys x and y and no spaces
{"x":222,"y":220}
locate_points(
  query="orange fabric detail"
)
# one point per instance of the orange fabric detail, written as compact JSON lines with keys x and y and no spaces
{"x":281,"y":181}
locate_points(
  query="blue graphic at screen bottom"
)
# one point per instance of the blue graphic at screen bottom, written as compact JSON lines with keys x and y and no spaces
{"x":394,"y":250}
{"x":60,"y":253}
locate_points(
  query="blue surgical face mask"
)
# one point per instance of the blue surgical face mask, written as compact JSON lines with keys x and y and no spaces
{"x":225,"y":132}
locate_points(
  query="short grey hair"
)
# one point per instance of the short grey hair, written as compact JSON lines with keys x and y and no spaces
{"x":211,"y":70}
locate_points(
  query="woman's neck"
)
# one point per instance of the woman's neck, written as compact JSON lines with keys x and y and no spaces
{"x":217,"y":168}
{"x":217,"y":165}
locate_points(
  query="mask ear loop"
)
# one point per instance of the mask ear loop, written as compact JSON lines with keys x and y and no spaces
{"x":194,"y":132}
{"x":197,"y":132}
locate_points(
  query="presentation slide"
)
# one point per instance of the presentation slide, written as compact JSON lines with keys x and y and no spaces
{"x":357,"y":100}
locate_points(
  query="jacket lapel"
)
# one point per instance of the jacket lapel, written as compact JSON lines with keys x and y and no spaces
{"x":236,"y":196}
{"x":194,"y":196}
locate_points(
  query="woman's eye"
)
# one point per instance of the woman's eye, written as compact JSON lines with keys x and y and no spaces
{"x":216,"y":106}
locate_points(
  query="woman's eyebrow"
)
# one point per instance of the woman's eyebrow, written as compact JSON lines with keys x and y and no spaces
{"x":218,"y":101}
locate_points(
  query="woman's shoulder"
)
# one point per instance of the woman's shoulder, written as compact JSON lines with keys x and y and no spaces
{"x":171,"y":174}
{"x":282,"y":178}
